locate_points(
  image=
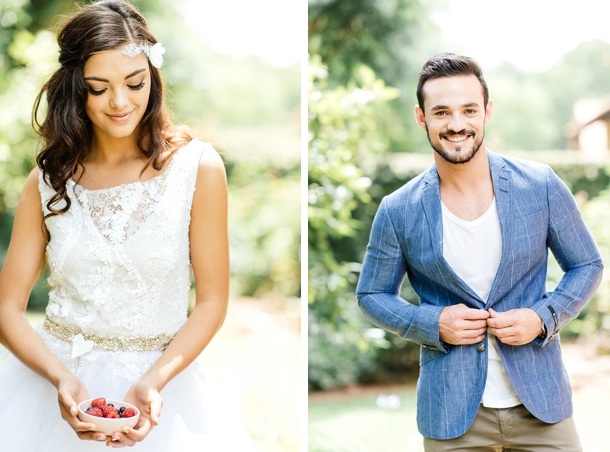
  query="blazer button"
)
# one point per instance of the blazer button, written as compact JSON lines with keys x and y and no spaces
{"x":481,"y":347}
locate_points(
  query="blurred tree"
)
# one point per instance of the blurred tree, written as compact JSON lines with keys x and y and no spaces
{"x":343,"y":135}
{"x":393,"y":38}
{"x":583,"y":73}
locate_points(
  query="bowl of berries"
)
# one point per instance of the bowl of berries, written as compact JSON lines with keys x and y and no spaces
{"x":108,"y":415}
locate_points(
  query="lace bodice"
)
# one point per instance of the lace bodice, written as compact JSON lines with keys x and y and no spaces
{"x":119,"y":258}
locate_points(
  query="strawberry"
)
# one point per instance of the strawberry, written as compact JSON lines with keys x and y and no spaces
{"x":101,"y":402}
{"x":129,"y":412}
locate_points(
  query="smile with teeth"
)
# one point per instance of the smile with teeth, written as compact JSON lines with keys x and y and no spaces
{"x":457,"y":138}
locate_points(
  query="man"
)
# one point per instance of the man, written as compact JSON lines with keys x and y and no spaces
{"x":472,"y":235}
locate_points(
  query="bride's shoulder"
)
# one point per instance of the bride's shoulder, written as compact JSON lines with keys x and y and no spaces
{"x":211,"y":174}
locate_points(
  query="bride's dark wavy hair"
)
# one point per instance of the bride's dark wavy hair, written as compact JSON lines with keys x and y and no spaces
{"x":66,"y":130}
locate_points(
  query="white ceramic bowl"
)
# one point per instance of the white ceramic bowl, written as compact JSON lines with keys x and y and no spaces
{"x":108,"y":425}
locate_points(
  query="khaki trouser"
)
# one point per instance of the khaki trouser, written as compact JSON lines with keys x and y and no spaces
{"x":510,"y":429}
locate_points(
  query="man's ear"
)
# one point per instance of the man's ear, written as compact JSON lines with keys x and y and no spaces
{"x":420,"y":118}
{"x":489,"y":110}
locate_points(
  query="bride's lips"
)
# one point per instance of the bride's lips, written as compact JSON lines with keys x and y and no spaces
{"x":121,"y":117}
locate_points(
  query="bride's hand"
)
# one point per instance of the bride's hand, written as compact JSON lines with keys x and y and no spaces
{"x":146,"y":397}
{"x":70,"y":392}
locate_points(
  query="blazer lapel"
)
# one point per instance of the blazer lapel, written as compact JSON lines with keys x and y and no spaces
{"x":501,"y":179}
{"x":431,"y":204}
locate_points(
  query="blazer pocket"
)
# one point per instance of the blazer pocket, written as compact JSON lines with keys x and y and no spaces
{"x":428,"y":354}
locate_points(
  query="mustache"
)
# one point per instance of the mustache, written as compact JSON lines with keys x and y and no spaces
{"x":451,"y":133}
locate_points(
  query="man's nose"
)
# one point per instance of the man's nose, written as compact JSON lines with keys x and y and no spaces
{"x":456,"y":123}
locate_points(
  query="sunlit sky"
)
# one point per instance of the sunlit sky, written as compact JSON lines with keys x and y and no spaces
{"x":531,"y":34}
{"x":272,"y":29}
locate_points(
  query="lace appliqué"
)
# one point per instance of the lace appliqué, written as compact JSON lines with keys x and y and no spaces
{"x":118,"y":212}
{"x":119,"y":258}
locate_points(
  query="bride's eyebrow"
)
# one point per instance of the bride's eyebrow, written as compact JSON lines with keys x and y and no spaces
{"x":99,"y":79}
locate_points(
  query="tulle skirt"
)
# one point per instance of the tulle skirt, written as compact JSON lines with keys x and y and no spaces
{"x":194,"y":417}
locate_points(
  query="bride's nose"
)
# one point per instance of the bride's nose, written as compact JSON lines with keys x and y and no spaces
{"x":118,"y":99}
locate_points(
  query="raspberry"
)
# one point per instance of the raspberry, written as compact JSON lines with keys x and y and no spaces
{"x":101,"y":402}
{"x":129,"y":412}
{"x":95,"y":412}
{"x":108,"y":410}
{"x":112,"y":415}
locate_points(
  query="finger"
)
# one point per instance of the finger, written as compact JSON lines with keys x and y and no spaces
{"x":475,"y":314}
{"x":500,"y":322}
{"x":472,"y":324}
{"x":469,"y":334}
{"x":471,"y":340}
{"x":155,"y":411}
{"x":504,"y":333}
{"x":141,"y":432}
{"x":123,"y":439}
{"x":68,"y":402}
{"x":92,"y":436}
{"x":76,"y":424}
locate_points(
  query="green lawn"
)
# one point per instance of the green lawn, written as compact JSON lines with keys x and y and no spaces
{"x":356,"y":424}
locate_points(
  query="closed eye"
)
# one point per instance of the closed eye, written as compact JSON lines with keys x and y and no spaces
{"x":136,"y":87}
{"x":94,"y":92}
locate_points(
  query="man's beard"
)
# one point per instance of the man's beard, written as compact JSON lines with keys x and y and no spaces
{"x":457,"y":158}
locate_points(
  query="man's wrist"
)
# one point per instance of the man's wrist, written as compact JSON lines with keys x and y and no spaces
{"x":542,"y":334}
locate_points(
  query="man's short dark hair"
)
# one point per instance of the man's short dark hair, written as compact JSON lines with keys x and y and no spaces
{"x":449,"y":65}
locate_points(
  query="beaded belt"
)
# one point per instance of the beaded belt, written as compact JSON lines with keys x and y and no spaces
{"x":85,"y":342}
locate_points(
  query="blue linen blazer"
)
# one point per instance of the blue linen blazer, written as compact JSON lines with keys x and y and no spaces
{"x":537,"y":212}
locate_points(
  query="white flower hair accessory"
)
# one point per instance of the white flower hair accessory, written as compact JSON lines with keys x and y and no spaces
{"x":154,"y":53}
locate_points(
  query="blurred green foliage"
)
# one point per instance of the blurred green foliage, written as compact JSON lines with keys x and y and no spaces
{"x":246,"y":107}
{"x":364,"y":144}
{"x":342,"y":134}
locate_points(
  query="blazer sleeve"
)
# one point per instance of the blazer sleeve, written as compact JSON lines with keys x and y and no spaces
{"x":381,"y":277}
{"x":574,"y":248}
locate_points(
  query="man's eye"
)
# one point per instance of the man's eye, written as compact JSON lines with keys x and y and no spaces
{"x":440,"y":113}
{"x":471,"y":112}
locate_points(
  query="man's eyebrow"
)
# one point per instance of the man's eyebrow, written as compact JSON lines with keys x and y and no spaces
{"x":99,"y":79}
{"x":445,"y":107}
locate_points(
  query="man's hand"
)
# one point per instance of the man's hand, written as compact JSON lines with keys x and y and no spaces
{"x":515,"y":327}
{"x":460,"y":325}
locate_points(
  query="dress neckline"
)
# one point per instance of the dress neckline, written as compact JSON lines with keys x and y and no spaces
{"x":128,"y":184}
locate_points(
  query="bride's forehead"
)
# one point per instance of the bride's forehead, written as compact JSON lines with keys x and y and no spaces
{"x":113,"y":63}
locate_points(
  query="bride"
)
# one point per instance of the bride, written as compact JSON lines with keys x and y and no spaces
{"x":123,"y":207}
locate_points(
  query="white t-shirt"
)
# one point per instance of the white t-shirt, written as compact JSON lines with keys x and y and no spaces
{"x":473,"y":249}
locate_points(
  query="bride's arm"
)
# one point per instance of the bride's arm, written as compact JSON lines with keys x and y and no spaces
{"x":23,"y":265}
{"x":210,"y":258}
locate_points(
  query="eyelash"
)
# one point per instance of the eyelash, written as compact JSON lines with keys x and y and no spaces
{"x":100,"y":92}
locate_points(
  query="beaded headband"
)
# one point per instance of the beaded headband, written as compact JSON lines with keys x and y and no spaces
{"x":154,"y":53}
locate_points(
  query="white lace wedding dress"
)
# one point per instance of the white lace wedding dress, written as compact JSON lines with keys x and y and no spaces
{"x":120,"y":275}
